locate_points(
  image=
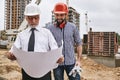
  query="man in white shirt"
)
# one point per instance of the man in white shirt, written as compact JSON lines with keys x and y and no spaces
{"x":43,"y":39}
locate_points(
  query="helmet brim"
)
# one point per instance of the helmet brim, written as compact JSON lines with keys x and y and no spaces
{"x":26,"y":14}
{"x":59,"y":12}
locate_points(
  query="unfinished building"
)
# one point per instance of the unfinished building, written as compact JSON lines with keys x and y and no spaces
{"x":102,"y":44}
{"x":74,"y":17}
{"x":102,"y":47}
{"x":14,"y":10}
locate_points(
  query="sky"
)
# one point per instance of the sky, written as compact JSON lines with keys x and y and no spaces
{"x":103,"y":15}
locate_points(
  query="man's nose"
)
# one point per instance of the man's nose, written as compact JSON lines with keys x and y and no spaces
{"x":33,"y":20}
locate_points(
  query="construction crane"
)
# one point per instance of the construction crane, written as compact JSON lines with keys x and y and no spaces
{"x":67,"y":2}
{"x":86,"y":21}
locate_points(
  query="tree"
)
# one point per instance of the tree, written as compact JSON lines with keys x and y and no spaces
{"x":118,"y":36}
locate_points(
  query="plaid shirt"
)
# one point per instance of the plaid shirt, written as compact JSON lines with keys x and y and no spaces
{"x":70,"y":36}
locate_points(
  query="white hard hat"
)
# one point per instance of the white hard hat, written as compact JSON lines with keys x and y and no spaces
{"x":32,"y":9}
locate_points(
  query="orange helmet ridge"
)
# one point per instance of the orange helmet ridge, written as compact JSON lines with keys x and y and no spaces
{"x":60,"y":8}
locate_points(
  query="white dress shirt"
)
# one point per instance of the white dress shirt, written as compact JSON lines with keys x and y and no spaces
{"x":44,"y":40}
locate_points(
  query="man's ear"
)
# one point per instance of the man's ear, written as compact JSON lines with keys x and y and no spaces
{"x":26,"y":18}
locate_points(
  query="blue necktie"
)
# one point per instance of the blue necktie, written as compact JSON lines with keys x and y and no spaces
{"x":31,"y":41}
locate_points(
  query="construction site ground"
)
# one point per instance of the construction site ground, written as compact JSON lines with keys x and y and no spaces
{"x":10,"y":70}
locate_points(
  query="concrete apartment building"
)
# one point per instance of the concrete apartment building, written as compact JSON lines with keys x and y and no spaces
{"x":74,"y":17}
{"x":14,"y":10}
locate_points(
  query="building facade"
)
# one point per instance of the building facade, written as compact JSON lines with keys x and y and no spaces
{"x":74,"y":17}
{"x":14,"y":10}
{"x":102,"y":44}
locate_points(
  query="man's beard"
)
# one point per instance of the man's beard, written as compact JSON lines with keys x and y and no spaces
{"x":33,"y":25}
{"x":60,"y":21}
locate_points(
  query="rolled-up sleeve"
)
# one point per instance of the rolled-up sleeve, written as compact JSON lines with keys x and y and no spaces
{"x":76,"y":36}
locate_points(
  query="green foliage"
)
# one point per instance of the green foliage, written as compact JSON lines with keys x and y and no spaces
{"x":118,"y":36}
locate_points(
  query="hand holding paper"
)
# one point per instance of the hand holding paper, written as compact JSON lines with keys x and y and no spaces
{"x":37,"y":64}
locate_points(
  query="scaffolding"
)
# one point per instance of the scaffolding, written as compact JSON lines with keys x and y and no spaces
{"x":102,"y":44}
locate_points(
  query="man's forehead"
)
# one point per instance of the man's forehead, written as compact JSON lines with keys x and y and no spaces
{"x":34,"y":16}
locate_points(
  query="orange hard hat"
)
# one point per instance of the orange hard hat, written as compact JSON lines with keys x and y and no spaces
{"x":60,"y":8}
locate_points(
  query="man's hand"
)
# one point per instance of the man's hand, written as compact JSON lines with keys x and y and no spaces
{"x":10,"y":56}
{"x":78,"y":63}
{"x":60,"y":60}
{"x":75,"y":70}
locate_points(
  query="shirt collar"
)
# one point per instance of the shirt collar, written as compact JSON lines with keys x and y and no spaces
{"x":37,"y":28}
